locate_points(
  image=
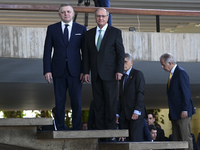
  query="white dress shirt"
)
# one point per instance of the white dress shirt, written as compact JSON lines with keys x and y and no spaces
{"x":103,"y":30}
{"x":69,"y":28}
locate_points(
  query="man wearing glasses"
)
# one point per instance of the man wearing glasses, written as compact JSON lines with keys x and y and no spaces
{"x":104,"y":56}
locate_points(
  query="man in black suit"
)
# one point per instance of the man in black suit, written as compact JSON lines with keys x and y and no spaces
{"x":131,"y":106}
{"x":153,"y":132}
{"x":106,"y":62}
{"x":160,"y":132}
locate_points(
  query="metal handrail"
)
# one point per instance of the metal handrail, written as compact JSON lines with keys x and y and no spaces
{"x":112,"y":10}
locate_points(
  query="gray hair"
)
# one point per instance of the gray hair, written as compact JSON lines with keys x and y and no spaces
{"x":168,"y":57}
{"x":63,"y":5}
{"x":128,"y":56}
{"x":101,"y":8}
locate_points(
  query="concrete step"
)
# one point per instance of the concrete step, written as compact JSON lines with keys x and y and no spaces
{"x":143,"y":145}
{"x":22,"y":133}
{"x":8,"y":122}
{"x":81,"y":134}
{"x":12,"y":147}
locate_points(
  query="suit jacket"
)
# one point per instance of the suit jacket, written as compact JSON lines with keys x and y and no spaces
{"x":160,"y":134}
{"x":110,"y":58}
{"x":63,"y":51}
{"x":147,"y":134}
{"x":179,"y":95}
{"x":132,"y":98}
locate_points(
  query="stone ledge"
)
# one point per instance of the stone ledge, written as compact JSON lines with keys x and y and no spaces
{"x":81,"y":134}
{"x":143,"y":145}
{"x":13,"y":147}
{"x":12,"y":122}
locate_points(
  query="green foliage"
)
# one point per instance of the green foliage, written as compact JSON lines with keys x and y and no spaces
{"x":158,"y":118}
{"x":68,"y":118}
{"x":85,"y":115}
{"x":13,"y":114}
{"x":44,"y":114}
{"x":47,"y":114}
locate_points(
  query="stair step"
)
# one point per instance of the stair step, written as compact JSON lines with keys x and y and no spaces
{"x":13,"y":147}
{"x":7,"y":122}
{"x":143,"y":145}
{"x":69,"y":134}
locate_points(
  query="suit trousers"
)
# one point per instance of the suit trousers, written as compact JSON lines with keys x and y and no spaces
{"x":135,"y":127}
{"x":105,"y":103}
{"x":74,"y":86}
{"x":181,"y":131}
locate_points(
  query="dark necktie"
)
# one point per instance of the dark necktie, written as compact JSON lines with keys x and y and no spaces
{"x":125,"y":81}
{"x":66,"y":33}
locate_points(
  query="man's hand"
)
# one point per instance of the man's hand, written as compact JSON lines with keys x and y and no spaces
{"x":119,"y":76}
{"x":117,"y":120}
{"x":87,"y":78}
{"x":184,"y":114}
{"x":82,"y":77}
{"x":48,"y":77}
{"x":134,"y":117}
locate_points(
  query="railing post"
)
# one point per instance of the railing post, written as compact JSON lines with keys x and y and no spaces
{"x":157,"y":23}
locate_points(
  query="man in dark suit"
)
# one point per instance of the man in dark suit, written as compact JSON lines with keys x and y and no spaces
{"x":65,"y":66}
{"x":106,"y":61}
{"x":160,"y":132}
{"x":131,"y":108}
{"x":153,"y":132}
{"x":53,"y":126}
{"x":180,"y":100}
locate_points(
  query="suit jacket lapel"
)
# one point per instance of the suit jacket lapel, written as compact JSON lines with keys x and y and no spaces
{"x":61,"y":32}
{"x":92,"y":38}
{"x":174,"y":74}
{"x":121,"y":85}
{"x":130,"y":77}
{"x":72,"y":33}
{"x":105,"y":37}
{"x":173,"y":77}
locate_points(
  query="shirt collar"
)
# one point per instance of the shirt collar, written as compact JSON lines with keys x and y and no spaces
{"x":173,"y":69}
{"x":63,"y":24}
{"x":104,"y":28}
{"x":128,"y":72}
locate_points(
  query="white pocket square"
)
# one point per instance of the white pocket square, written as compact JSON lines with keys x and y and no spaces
{"x":78,"y":34}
